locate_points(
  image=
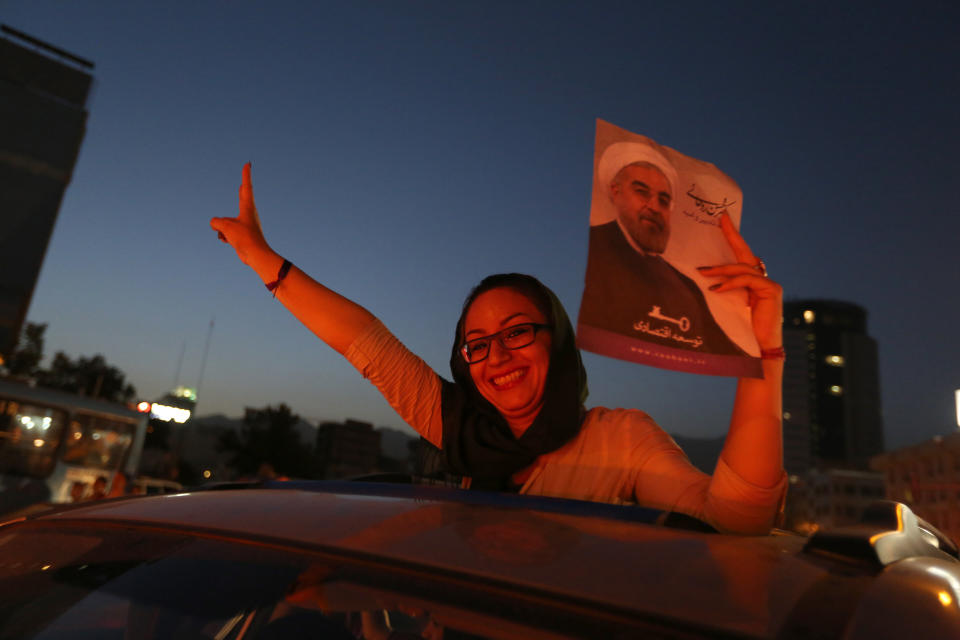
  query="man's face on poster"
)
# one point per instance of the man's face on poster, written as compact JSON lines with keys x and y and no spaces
{"x":642,"y":196}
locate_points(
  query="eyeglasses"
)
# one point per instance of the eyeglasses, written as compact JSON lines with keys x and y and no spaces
{"x":515,"y":337}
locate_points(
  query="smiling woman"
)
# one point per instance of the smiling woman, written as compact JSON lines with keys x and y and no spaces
{"x":514,"y":416}
{"x":519,"y":398}
{"x":508,"y":367}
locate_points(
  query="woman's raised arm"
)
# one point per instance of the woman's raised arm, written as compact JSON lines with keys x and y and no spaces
{"x":331,"y":317}
{"x":754,"y":444}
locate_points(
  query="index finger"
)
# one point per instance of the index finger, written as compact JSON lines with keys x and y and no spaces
{"x":246,"y":195}
{"x":741,"y":250}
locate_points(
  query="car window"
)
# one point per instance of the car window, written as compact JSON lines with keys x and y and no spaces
{"x":29,"y":435}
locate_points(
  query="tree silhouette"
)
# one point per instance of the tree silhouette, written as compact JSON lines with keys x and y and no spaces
{"x":269,"y":437}
{"x":87,"y":376}
{"x":93,"y":377}
{"x":26,"y":356}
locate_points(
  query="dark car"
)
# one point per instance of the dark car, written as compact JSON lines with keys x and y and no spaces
{"x":351,"y":560}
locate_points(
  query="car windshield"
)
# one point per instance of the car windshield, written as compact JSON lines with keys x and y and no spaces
{"x":129,"y":583}
{"x":98,"y":442}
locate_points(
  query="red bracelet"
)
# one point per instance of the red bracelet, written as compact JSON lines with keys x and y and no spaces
{"x":777,"y":353}
{"x":284,"y":269}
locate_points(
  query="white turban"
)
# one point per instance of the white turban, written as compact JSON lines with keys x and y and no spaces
{"x":620,"y":154}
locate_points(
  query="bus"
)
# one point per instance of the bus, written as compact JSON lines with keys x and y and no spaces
{"x":54,"y":445}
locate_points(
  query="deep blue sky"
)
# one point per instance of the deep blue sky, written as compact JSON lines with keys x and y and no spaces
{"x":403,"y":150}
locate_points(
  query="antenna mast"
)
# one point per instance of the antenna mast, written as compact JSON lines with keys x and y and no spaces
{"x":203,"y":363}
{"x":176,"y":376}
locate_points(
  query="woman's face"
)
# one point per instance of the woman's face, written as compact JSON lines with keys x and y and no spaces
{"x":512,"y":380}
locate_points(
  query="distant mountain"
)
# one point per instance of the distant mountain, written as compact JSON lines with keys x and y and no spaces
{"x":703,"y":452}
{"x":394,"y":444}
{"x":218,"y":421}
{"x":308,"y":433}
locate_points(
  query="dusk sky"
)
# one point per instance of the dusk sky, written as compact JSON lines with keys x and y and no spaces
{"x":403,"y":150}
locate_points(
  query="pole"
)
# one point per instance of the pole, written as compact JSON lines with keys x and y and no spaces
{"x":203,"y":363}
{"x":176,"y":376}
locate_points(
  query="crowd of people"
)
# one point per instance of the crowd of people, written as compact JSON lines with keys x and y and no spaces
{"x":122,"y":485}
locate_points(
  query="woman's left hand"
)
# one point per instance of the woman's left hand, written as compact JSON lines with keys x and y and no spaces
{"x":765,"y":295}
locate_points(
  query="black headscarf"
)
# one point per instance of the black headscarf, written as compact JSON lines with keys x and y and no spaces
{"x":477,"y":441}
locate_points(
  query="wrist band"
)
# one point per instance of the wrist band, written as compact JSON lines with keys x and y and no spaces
{"x":776,"y":353}
{"x":284,"y":269}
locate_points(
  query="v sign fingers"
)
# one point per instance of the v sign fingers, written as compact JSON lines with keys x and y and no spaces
{"x":248,"y":209}
{"x":243,"y":233}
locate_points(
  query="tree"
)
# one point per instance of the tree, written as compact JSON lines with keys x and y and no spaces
{"x":26,"y":356}
{"x":87,"y":376}
{"x":269,"y":437}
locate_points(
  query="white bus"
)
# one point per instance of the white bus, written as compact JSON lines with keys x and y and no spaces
{"x":54,"y":445}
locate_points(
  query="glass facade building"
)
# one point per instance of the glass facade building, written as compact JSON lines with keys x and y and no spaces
{"x":832,"y":415}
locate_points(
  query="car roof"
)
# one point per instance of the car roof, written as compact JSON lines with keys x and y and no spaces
{"x":600,"y":557}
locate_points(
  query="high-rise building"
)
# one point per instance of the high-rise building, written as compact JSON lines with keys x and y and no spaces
{"x":831,"y":390}
{"x":43,"y":116}
{"x":827,"y":498}
{"x":348,"y":449}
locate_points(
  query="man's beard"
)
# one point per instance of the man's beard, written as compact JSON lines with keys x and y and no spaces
{"x":644,"y":237}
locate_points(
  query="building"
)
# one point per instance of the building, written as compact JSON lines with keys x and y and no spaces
{"x":348,"y":449}
{"x":926,"y":477}
{"x":831,"y":498}
{"x":831,"y":390}
{"x":43,"y":116}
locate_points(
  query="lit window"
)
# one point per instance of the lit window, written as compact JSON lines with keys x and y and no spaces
{"x":836,"y":390}
{"x":809,"y":316}
{"x":836,"y":361}
{"x":185,"y":392}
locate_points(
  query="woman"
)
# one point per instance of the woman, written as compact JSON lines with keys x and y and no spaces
{"x":514,"y":414}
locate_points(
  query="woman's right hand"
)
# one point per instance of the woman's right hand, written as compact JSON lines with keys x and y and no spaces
{"x":244,"y":232}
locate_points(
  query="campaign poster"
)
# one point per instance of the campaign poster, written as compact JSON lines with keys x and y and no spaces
{"x":654,"y":218}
